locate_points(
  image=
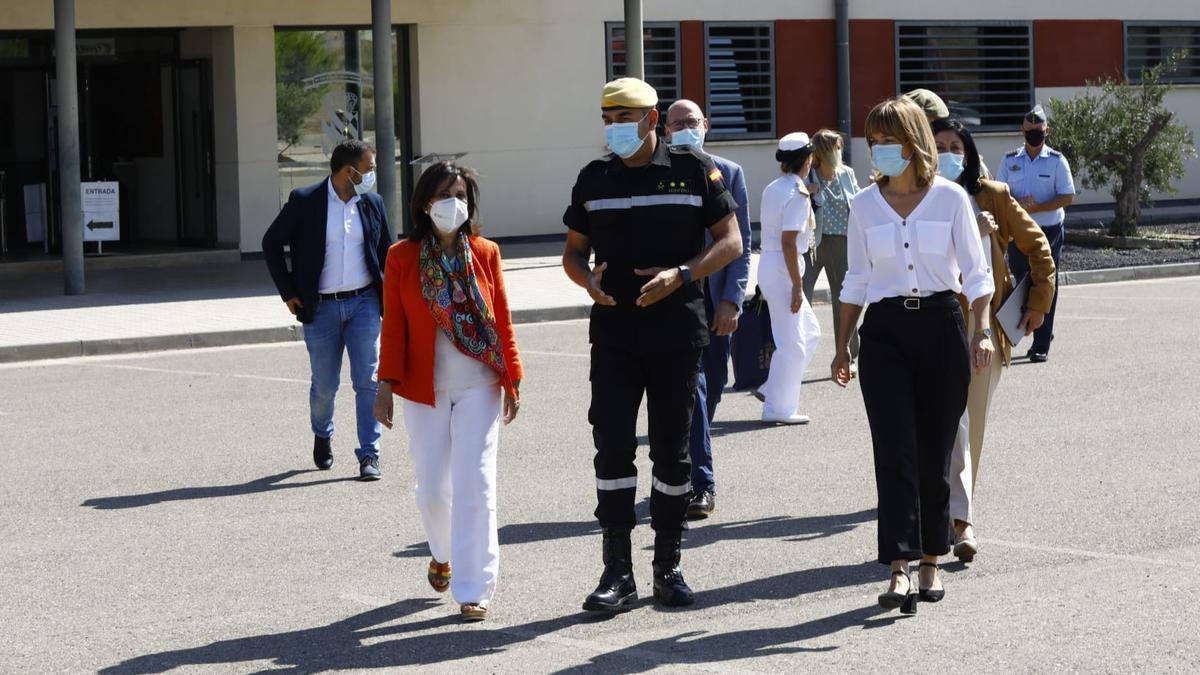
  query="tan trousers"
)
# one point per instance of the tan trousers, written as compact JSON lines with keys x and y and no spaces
{"x":968,"y":444}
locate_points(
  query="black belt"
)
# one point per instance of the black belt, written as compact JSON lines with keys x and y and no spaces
{"x":939,"y":300}
{"x":345,"y":295}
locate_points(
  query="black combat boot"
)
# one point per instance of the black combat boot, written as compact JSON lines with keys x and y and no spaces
{"x":617,"y":588}
{"x":669,"y":587}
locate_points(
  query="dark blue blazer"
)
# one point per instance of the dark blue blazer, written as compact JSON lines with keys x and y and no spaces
{"x":301,"y":225}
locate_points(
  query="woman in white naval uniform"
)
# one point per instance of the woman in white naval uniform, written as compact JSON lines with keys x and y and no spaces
{"x":787,"y":222}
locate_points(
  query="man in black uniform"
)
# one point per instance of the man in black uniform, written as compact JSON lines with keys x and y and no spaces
{"x":644,"y":211}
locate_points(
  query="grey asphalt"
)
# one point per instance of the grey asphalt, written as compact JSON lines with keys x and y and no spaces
{"x":160,"y":513}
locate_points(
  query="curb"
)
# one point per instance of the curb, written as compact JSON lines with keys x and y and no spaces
{"x":75,"y":348}
{"x":1130,"y":273}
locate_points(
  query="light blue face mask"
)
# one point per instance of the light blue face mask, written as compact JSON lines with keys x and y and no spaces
{"x":367,"y":184}
{"x":623,"y":138}
{"x":950,"y":165}
{"x":693,"y":138}
{"x":889,"y":159}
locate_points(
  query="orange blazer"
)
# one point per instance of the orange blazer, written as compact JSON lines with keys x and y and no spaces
{"x":408,"y":335}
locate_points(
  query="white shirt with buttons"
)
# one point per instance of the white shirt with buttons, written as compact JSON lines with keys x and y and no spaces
{"x":345,"y":267}
{"x":920,"y":255}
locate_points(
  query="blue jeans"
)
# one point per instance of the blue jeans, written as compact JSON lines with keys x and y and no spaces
{"x":1019,"y":264}
{"x":714,"y":375}
{"x":345,"y":325}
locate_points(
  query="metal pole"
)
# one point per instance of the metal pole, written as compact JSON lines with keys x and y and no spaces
{"x":68,"y":146}
{"x":841,"y":11}
{"x":634,"y":58}
{"x":385,"y":110}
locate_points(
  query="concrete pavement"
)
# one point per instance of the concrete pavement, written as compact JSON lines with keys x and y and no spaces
{"x":161,"y":514}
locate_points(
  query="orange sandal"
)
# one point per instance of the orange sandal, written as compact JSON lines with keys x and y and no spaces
{"x":438,"y":575}
{"x":472,"y":612}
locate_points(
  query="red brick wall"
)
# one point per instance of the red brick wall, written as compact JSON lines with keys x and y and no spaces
{"x":805,"y":75}
{"x":1068,"y":53}
{"x":872,"y":67}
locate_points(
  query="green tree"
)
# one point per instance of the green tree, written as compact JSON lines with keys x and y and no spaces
{"x":1120,"y":136}
{"x":298,"y":55}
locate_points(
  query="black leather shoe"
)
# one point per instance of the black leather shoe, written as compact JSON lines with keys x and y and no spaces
{"x":322,"y":453}
{"x":669,"y":587}
{"x":702,"y":505}
{"x":617,"y":589}
{"x":1038,"y":357}
{"x":368,"y":469}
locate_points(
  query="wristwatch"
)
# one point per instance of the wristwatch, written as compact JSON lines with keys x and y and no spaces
{"x":685,"y":273}
{"x":986,"y":332}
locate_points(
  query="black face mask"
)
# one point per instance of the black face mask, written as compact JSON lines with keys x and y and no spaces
{"x":1035,"y":137}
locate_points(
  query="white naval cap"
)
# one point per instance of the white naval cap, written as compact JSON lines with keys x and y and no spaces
{"x":1037,"y":115}
{"x":797,"y":140}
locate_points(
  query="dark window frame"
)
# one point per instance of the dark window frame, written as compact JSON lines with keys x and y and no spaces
{"x":665,"y":97}
{"x":716,"y":133}
{"x":1001,"y":121}
{"x":1133,"y":70}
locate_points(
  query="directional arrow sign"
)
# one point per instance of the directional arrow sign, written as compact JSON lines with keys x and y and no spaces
{"x":99,"y":225}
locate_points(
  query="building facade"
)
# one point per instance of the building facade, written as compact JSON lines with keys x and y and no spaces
{"x":207,"y":114}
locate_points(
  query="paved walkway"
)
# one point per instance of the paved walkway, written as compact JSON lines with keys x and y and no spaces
{"x":218,"y":304}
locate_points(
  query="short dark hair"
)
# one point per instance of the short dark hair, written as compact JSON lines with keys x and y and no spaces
{"x":427,"y":188}
{"x":791,"y":161}
{"x":349,"y":153}
{"x":969,"y":178}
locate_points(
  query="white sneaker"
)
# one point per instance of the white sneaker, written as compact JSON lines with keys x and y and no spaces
{"x":772,"y":418}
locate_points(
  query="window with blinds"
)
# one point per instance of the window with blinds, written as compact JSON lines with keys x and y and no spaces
{"x":739,"y":62}
{"x":660,"y":46}
{"x":983,"y":71}
{"x":1147,"y":45}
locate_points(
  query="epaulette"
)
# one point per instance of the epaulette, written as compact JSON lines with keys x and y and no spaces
{"x":1014,"y":153}
{"x":1053,"y":153}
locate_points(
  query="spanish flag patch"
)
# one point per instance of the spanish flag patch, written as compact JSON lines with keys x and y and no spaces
{"x":715,"y":175}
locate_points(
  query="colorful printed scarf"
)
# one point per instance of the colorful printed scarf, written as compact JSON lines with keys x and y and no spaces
{"x":465,"y":318}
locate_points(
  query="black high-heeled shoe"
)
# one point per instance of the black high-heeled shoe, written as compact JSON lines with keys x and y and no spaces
{"x":929,"y":594}
{"x":907,"y":602}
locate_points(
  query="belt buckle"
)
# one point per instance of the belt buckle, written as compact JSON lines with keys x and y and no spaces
{"x":916,"y":303}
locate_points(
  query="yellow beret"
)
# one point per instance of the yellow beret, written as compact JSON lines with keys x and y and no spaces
{"x":628,"y":92}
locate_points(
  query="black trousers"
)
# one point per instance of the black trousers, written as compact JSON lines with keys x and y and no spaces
{"x":914,"y":371}
{"x":619,"y":379}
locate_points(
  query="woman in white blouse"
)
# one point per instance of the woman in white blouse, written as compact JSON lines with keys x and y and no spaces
{"x":787,"y":222}
{"x":911,"y":237}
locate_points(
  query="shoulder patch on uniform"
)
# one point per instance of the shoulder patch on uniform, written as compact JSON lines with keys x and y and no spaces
{"x":715,"y":175}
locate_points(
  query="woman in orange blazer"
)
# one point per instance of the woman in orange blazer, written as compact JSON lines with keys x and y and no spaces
{"x":1001,"y":220}
{"x":448,"y":351}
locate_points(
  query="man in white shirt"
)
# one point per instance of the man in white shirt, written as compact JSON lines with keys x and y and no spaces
{"x":338,"y":234}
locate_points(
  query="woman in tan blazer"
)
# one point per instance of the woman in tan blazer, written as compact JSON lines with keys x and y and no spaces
{"x":1001,"y":220}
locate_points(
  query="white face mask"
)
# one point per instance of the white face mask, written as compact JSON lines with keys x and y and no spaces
{"x":448,"y":214}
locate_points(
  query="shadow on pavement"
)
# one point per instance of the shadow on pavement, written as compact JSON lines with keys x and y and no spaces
{"x":785,"y":528}
{"x":342,"y":645}
{"x":698,"y":647}
{"x":266,"y":484}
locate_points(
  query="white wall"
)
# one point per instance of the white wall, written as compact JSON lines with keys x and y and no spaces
{"x":529,"y":121}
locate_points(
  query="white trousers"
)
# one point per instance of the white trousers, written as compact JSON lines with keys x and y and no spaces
{"x":796,"y":337}
{"x":453,"y":448}
{"x":968,"y":443}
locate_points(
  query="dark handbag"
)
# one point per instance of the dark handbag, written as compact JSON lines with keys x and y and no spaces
{"x":752,"y":344}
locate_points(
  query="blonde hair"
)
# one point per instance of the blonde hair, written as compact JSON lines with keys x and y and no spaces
{"x":905,"y":121}
{"x":827,"y":148}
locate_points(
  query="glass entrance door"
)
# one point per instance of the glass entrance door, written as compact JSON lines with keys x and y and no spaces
{"x":195,"y":183}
